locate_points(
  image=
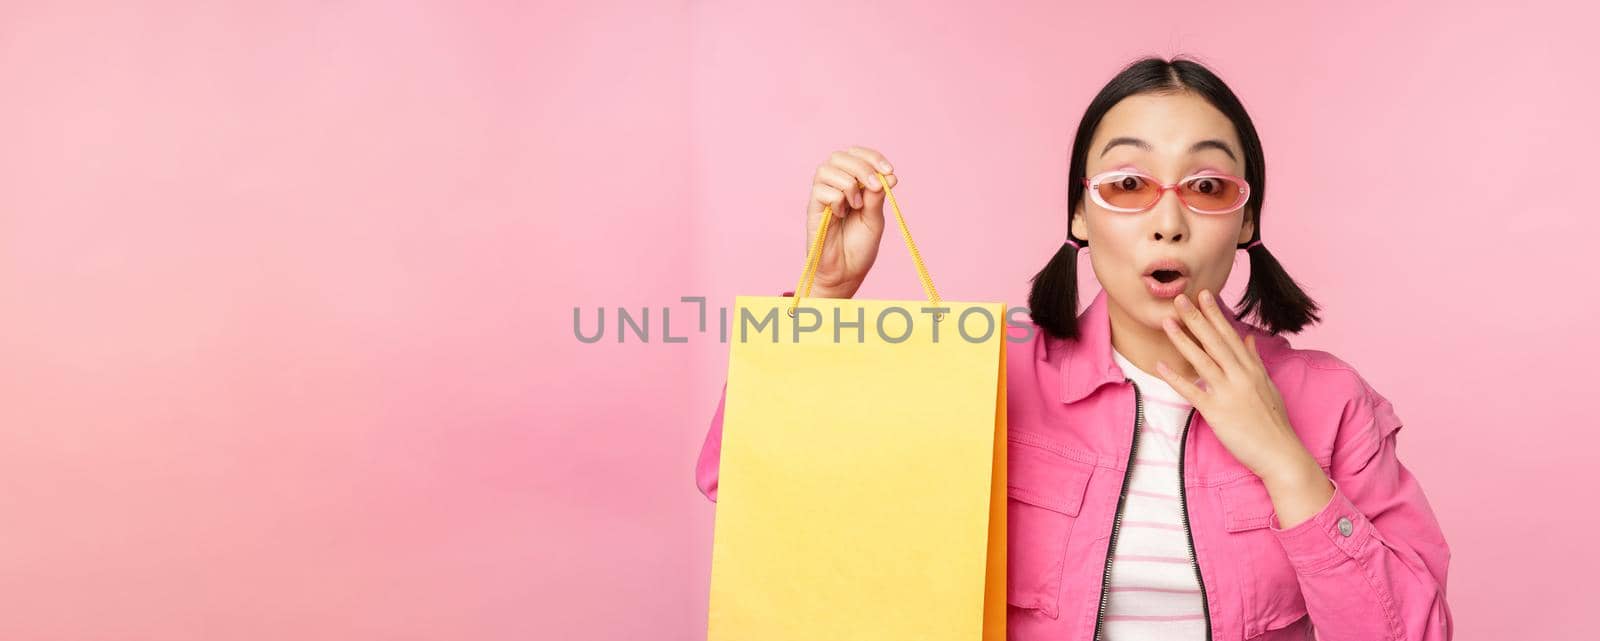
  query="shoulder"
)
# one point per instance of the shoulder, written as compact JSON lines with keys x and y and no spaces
{"x":1029,"y":347}
{"x":1034,"y":362}
{"x":1329,"y":400}
{"x":1318,"y":374}
{"x":1312,"y":372}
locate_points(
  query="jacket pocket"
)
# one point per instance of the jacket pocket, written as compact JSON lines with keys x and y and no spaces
{"x":1270,"y":590}
{"x":1044,"y":490}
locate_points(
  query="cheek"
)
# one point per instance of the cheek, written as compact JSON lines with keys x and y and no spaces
{"x":1215,"y":274}
{"x":1114,"y":239}
{"x":1221,"y":257}
{"x":1113,"y":268}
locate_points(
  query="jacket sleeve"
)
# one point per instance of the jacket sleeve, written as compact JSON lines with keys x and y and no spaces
{"x":1372,"y":563}
{"x":705,"y":470}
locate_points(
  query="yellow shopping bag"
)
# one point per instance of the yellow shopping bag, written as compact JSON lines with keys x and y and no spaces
{"x":862,"y":483}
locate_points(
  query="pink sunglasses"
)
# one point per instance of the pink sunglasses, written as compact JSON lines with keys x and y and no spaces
{"x":1133,"y":192}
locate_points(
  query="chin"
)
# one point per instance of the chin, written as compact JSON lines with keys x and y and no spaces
{"x":1145,"y":309}
{"x":1160,"y":311}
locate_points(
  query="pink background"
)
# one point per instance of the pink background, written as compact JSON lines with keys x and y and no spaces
{"x":288,"y":288}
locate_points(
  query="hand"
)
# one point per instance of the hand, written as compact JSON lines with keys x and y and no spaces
{"x":848,"y":183}
{"x":1239,"y":401}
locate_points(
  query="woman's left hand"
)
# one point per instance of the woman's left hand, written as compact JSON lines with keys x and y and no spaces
{"x":1239,"y":401}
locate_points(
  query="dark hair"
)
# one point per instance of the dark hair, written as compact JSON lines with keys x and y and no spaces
{"x":1271,"y":294}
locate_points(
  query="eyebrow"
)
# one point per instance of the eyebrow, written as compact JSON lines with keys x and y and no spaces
{"x":1210,"y":143}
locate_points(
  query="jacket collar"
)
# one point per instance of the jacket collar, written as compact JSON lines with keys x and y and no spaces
{"x":1089,"y":363}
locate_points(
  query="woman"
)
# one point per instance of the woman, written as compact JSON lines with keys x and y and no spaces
{"x":1293,"y":511}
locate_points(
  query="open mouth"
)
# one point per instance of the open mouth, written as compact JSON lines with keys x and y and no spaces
{"x":1165,"y":275}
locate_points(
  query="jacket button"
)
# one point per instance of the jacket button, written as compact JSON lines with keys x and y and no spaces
{"x":1345,"y":528}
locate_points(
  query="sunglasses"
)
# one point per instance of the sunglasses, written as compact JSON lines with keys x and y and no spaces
{"x":1132,"y":192}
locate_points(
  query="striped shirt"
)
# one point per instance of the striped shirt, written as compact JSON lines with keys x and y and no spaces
{"x":1153,"y":590}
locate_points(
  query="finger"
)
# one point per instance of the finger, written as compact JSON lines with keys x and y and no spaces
{"x":872,"y":213}
{"x":1192,"y":352}
{"x":855,"y":167}
{"x":1230,"y":337}
{"x":1206,"y":333}
{"x":825,"y":196}
{"x":872,"y":156}
{"x":838,"y":179}
{"x":876,"y":198}
{"x":1188,"y":389}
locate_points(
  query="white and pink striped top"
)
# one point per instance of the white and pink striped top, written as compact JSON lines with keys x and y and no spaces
{"x":1153,"y":591}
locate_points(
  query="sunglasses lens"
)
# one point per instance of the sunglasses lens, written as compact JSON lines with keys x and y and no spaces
{"x":1128,"y":191}
{"x":1212,"y":193}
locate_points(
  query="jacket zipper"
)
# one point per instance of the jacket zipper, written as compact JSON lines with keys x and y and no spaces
{"x":1116,"y":523}
{"x":1183,"y":499}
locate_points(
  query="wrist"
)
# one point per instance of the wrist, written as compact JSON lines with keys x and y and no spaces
{"x":1299,"y":473}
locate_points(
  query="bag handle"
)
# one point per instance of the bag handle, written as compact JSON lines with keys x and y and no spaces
{"x":814,"y":254}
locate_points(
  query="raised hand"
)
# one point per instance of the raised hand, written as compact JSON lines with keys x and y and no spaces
{"x":848,"y":183}
{"x":1239,"y":400}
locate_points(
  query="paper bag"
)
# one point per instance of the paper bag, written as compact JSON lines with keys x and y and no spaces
{"x":862,"y":489}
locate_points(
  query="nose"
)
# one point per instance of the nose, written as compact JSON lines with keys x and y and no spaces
{"x":1168,"y":220}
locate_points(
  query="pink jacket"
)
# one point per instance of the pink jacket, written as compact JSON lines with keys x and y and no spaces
{"x":1370,"y":565}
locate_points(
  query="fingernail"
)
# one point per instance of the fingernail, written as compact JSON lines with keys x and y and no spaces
{"x":1181,"y":301}
{"x":1161,"y":367}
{"x":885,"y":167}
{"x":872,"y":181}
{"x":1205,"y":295}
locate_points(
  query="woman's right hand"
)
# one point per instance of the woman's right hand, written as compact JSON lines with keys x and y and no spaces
{"x":848,"y":183}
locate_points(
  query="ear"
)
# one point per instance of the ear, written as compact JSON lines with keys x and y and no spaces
{"x":1079,"y":226}
{"x":1248,"y":229}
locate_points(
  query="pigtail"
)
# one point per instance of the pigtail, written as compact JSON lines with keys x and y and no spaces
{"x":1274,"y":297}
{"x":1053,"y":301}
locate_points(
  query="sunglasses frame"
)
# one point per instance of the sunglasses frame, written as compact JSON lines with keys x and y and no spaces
{"x":1092,"y":182}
